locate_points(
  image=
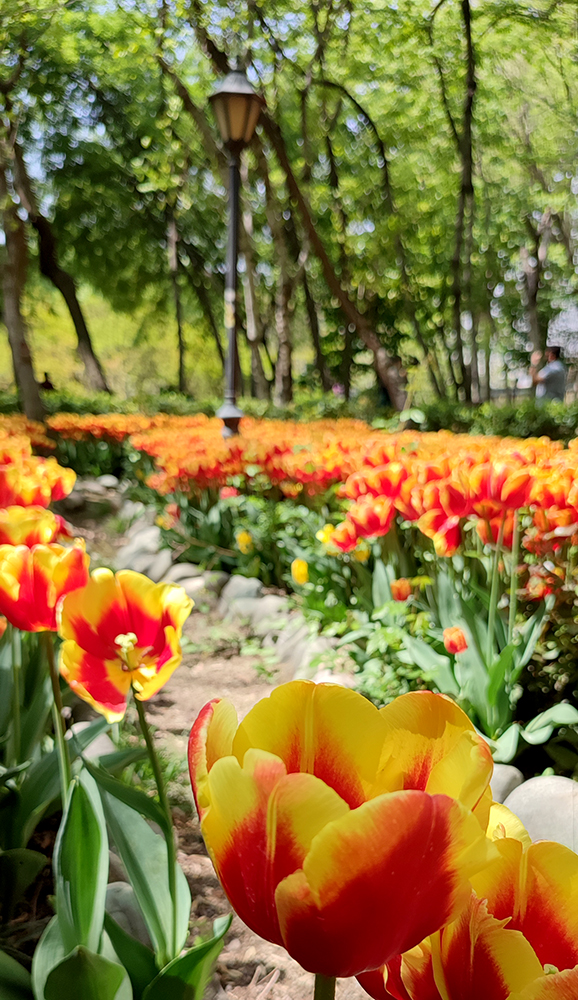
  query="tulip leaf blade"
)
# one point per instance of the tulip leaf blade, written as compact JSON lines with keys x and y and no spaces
{"x":81,"y":866}
{"x":48,"y":953}
{"x":132,"y":797}
{"x":187,"y":976}
{"x":15,"y":982}
{"x":86,"y":974}
{"x":144,"y":856}
{"x":137,"y":959}
{"x":380,"y":589}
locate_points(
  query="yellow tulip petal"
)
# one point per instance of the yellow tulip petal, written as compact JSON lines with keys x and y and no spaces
{"x":211,"y":738}
{"x":504,"y":823}
{"x":320,"y":729}
{"x":560,"y":986}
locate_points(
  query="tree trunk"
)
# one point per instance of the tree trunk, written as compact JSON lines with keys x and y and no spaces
{"x":172,"y":245}
{"x":13,"y":282}
{"x":64,"y":282}
{"x":254,"y":327}
{"x":198,"y":269}
{"x":283,"y":374}
{"x":326,"y":380}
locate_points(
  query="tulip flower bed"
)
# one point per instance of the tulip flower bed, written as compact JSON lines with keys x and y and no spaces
{"x":362,"y":839}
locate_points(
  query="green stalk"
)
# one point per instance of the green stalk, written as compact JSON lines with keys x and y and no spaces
{"x":47,"y":640}
{"x":324,"y":987}
{"x":163,"y":799}
{"x":494,"y":597}
{"x":16,"y":648}
{"x":514,"y":577}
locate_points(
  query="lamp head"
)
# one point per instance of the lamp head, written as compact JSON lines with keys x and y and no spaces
{"x":236,"y":107}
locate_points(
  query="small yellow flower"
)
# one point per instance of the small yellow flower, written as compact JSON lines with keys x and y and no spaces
{"x":362,"y":551}
{"x":300,"y":571}
{"x":325,"y":534}
{"x":245,"y":542}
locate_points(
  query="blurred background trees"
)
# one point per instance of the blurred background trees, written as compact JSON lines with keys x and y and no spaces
{"x":409,"y":200}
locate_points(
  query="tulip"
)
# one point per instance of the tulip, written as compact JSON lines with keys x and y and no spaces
{"x":362,"y":551}
{"x":444,"y":531}
{"x":33,"y":580}
{"x":244,"y":540}
{"x":300,"y":571}
{"x":517,"y":939}
{"x":120,"y":632}
{"x":455,"y":640}
{"x":345,"y":536}
{"x":29,"y":526}
{"x":3,"y":625}
{"x":319,"y":806}
{"x":400,"y":589}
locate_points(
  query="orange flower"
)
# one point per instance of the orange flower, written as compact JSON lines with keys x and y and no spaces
{"x":3,"y":625}
{"x":120,"y":632}
{"x":33,"y":580}
{"x":455,"y":640}
{"x":400,"y":589}
{"x":345,"y":536}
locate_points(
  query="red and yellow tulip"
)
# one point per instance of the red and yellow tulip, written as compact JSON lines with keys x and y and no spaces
{"x":33,"y":581}
{"x":318,"y":805}
{"x":517,"y":939}
{"x":120,"y":632}
{"x":29,"y":526}
{"x":455,"y":640}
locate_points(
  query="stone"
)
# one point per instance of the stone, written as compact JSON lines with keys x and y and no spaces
{"x":181,"y":571}
{"x":270,"y":607}
{"x":101,"y":744}
{"x":145,"y":541}
{"x":239,"y":586}
{"x":142,"y":523}
{"x":326,"y":676}
{"x":505,"y":778}
{"x":215,"y":580}
{"x":116,"y":872}
{"x":121,"y":904}
{"x":548,"y":808}
{"x":92,"y":486}
{"x":74,"y":501}
{"x":192,"y":587}
{"x":160,"y":565}
{"x":141,"y":562}
{"x":132,"y":509}
{"x":109,"y":482}
{"x":303,"y":656}
{"x":242,"y":607}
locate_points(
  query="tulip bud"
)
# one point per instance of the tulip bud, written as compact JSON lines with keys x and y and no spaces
{"x":455,"y":640}
{"x":400,"y":589}
{"x":300,"y":571}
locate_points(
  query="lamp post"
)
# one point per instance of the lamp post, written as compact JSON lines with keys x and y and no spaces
{"x":236,"y":107}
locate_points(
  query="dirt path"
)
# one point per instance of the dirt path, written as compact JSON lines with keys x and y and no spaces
{"x":249,"y":968}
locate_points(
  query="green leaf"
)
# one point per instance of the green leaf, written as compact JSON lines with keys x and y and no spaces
{"x":49,"y":952}
{"x":144,"y":856}
{"x":131,"y":796}
{"x":81,"y":866}
{"x":87,"y":976}
{"x":15,"y":982}
{"x":187,"y":977}
{"x":504,"y":748}
{"x":498,"y":672}
{"x":35,"y":717}
{"x":380,"y":589}
{"x":137,"y":959}
{"x":18,"y":869}
{"x":41,"y":785}
{"x":541,"y":727}
{"x":438,"y":667}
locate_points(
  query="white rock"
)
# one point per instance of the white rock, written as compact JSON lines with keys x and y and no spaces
{"x":101,"y":744}
{"x":548,"y":808}
{"x":141,"y":562}
{"x":236,"y":587}
{"x":215,"y":580}
{"x":504,"y":779}
{"x":242,"y":607}
{"x":270,"y":608}
{"x":109,"y":482}
{"x":132,"y":509}
{"x":181,"y":571}
{"x":193,"y":586}
{"x":160,"y":565}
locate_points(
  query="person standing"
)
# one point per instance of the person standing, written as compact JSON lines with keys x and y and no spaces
{"x":550,"y":381}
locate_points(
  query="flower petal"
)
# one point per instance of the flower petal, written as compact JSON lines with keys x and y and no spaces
{"x":435,"y":746}
{"x":211,"y":738}
{"x":259,"y":804}
{"x":560,"y":986}
{"x":101,"y":683}
{"x":379,"y":880}
{"x":319,"y":729}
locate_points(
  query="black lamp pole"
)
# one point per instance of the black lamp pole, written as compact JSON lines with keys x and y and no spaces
{"x":237,"y":108}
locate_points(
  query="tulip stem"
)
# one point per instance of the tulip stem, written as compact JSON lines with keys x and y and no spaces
{"x":16,"y":649}
{"x":165,"y":806}
{"x":324,"y":987}
{"x":494,"y":597}
{"x":514,"y":577}
{"x":57,"y":717}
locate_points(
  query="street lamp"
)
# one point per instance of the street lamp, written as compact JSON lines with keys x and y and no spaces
{"x":236,"y":107}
